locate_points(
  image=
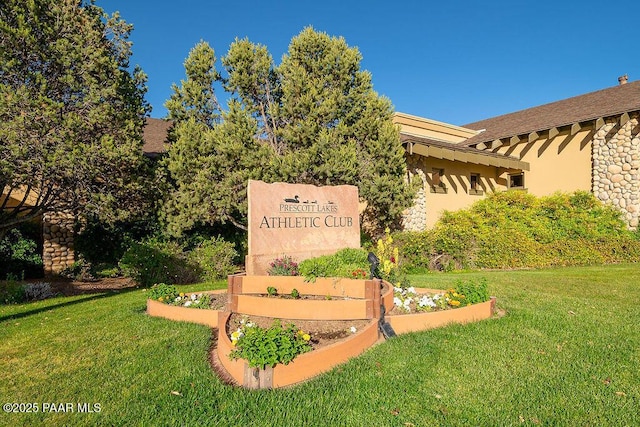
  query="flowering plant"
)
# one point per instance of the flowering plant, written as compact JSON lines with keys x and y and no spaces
{"x":389,"y":269}
{"x":284,"y":266}
{"x":262,"y":347}
{"x":359,"y":274}
{"x":463,"y":294}
{"x":407,"y":299}
{"x":163,"y":292}
{"x":169,"y":294}
{"x":193,"y":300}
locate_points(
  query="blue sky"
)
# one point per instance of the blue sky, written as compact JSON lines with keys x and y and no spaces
{"x":453,"y":61}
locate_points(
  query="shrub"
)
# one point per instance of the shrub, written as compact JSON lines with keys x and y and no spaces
{"x":262,"y":347}
{"x":474,"y":292}
{"x":341,"y":264}
{"x":163,"y":292}
{"x":79,"y":270}
{"x":284,"y":266}
{"x":514,"y":229}
{"x":19,"y":252}
{"x":215,"y":258}
{"x":101,"y":243}
{"x":415,"y":250}
{"x":38,"y":291}
{"x":11,"y":292}
{"x":154,"y":261}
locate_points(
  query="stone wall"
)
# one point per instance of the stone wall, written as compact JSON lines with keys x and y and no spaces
{"x":415,"y":218}
{"x":616,"y":167}
{"x":58,"y":242}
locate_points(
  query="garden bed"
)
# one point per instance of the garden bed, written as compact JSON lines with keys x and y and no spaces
{"x":340,"y":299}
{"x":207,"y":317}
{"x":412,"y":322}
{"x":340,"y":316}
{"x":304,"y":367}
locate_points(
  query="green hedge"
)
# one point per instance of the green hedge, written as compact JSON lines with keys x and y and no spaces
{"x":517,"y":230}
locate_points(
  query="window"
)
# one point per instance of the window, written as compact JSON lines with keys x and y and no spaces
{"x":474,"y":184}
{"x":516,"y":181}
{"x":437,"y":184}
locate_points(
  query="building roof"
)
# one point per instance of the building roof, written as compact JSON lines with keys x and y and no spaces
{"x":155,"y":136}
{"x":608,"y":102}
{"x":457,"y":152}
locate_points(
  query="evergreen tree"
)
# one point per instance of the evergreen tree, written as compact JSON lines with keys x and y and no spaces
{"x":313,"y":119}
{"x":210,"y":160}
{"x":71,"y":112}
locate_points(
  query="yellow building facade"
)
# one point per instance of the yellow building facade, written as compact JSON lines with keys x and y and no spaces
{"x":590,"y":142}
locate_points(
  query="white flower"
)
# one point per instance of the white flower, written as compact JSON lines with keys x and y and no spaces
{"x":411,"y":290}
{"x":187,"y":304}
{"x":353,"y":329}
{"x":397,"y":301}
{"x":398,"y":289}
{"x":177,"y":299}
{"x":194,"y":297}
{"x":426,"y":301}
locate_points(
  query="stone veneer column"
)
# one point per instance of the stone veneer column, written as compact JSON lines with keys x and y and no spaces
{"x":616,"y":167}
{"x":58,"y":242}
{"x":415,"y":218}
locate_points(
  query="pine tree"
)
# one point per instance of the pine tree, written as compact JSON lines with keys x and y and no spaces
{"x":313,"y":119}
{"x":71,"y":112}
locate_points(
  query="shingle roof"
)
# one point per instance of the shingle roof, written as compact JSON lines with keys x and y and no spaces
{"x":155,"y":137}
{"x":451,"y":151}
{"x":603,"y":103}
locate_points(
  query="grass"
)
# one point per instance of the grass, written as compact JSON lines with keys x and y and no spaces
{"x":567,"y":352}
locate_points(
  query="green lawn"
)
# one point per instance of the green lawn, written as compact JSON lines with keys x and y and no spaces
{"x":567,"y":352}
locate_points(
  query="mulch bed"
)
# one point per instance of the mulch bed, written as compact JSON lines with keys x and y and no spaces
{"x":69,"y":287}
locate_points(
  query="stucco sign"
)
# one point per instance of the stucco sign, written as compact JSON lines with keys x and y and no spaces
{"x":299,"y":220}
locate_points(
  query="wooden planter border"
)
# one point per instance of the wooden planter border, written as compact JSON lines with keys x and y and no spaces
{"x":364,"y":304}
{"x":304,"y":367}
{"x":414,"y":322}
{"x":200,"y":316}
{"x":363,"y":298}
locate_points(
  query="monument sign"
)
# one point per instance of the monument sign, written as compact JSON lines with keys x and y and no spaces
{"x":299,"y":220}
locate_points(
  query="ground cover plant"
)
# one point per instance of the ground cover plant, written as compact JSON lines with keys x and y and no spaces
{"x":564,"y":353}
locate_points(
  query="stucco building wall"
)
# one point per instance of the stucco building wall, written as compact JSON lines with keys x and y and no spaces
{"x":561,"y":163}
{"x":430,"y":202}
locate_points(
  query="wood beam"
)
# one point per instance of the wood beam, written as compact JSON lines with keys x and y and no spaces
{"x":495,"y":143}
{"x":533,"y":136}
{"x":481,"y":146}
{"x":514,"y":140}
{"x":553,"y":132}
{"x":575,"y":128}
{"x":624,"y":118}
{"x":599,"y":123}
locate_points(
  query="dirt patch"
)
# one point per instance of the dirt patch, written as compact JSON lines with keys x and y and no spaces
{"x":218,"y":301}
{"x":69,"y":287}
{"x":322,"y":332}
